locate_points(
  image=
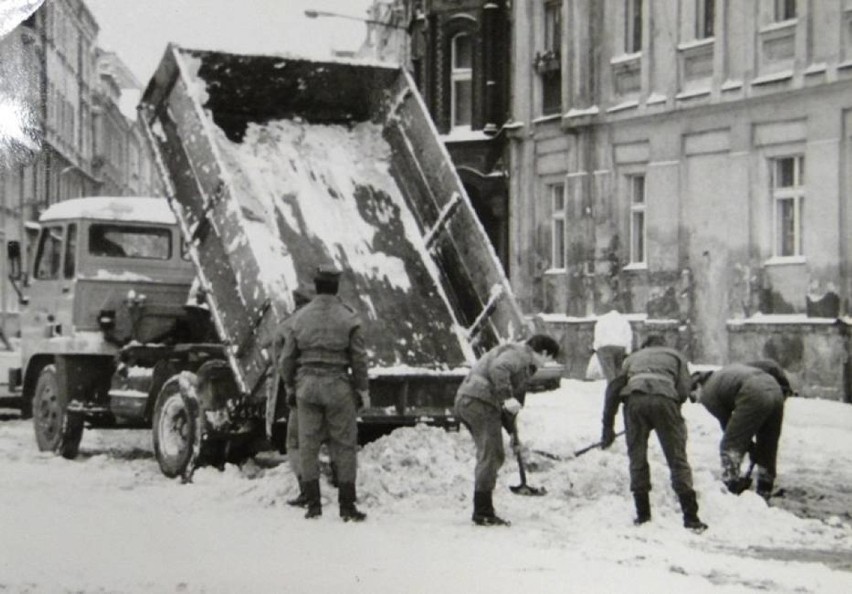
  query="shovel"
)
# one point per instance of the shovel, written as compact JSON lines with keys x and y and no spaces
{"x":590,"y":447}
{"x":523,"y":488}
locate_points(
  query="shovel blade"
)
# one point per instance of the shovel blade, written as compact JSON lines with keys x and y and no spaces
{"x":528,"y":491}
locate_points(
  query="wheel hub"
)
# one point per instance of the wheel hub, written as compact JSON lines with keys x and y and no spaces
{"x":174,"y":427}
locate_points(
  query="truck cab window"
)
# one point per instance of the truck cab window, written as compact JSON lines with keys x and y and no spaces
{"x":49,"y":255}
{"x":71,"y":251}
{"x":124,"y":241}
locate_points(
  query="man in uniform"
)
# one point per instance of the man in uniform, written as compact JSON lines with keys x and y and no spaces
{"x":654,"y":383}
{"x":496,"y":383}
{"x":748,"y":400}
{"x":324,"y":363}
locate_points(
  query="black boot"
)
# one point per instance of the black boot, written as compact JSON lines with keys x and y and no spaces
{"x":301,"y":500}
{"x":346,"y":498}
{"x":689,"y":506}
{"x":483,"y":510}
{"x":312,"y":494}
{"x":643,"y":508}
{"x":764,"y":487}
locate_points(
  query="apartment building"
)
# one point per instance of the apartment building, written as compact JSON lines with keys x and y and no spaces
{"x":687,"y":162}
{"x":458,"y":52}
{"x":78,"y":142}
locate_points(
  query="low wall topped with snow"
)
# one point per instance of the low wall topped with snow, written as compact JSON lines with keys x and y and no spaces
{"x":815,"y":352}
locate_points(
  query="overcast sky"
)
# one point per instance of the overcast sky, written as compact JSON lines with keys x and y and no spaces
{"x":138,"y":30}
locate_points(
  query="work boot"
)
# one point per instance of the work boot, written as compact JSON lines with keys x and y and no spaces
{"x":689,"y":506}
{"x":312,"y":495}
{"x":301,"y":500}
{"x":483,"y":511}
{"x":346,"y":499}
{"x":731,"y":462}
{"x":643,"y":508}
{"x":765,"y":483}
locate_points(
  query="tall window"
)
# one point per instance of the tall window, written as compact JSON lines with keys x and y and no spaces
{"x":636,"y":195}
{"x":784,"y":10}
{"x":550,"y":65}
{"x":788,"y":194}
{"x":705,"y":13}
{"x":462,"y":80}
{"x":553,"y":26}
{"x":557,"y":225}
{"x":632,"y":26}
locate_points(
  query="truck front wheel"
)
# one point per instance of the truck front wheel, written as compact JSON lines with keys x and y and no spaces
{"x":177,"y":426}
{"x":56,"y":430}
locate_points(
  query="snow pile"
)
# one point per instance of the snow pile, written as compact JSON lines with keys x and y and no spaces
{"x":126,"y":528}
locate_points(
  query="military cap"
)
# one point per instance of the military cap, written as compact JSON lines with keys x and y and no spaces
{"x":327,"y":273}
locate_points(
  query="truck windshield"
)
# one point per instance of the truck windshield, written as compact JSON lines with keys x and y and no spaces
{"x":124,"y":241}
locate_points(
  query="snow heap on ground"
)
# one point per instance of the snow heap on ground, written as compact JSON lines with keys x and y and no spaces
{"x":126,"y":528}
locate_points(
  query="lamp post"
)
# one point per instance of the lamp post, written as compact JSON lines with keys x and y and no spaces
{"x":397,"y":32}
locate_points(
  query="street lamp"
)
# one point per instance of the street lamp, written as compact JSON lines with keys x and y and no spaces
{"x":313,"y":14}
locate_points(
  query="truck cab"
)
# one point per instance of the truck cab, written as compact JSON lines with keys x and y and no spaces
{"x":106,"y":272}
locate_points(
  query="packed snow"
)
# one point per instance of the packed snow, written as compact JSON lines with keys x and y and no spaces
{"x":110,"y":522}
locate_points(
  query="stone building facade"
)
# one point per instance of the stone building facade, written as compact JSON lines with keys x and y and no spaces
{"x":458,"y":52}
{"x":78,"y":141}
{"x":694,"y":172}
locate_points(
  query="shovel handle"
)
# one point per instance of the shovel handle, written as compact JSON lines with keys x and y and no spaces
{"x":590,"y":447}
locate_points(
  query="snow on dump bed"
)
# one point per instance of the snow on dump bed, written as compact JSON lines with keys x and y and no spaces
{"x":313,"y":193}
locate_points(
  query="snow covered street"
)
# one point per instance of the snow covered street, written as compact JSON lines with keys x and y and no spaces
{"x":110,"y":522}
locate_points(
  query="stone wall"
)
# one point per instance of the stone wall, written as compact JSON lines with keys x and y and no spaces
{"x":815,"y":352}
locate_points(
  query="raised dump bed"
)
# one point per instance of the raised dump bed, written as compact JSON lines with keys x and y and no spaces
{"x":275,"y":165}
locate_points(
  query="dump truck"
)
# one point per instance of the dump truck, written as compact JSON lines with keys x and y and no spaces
{"x":272,"y":166}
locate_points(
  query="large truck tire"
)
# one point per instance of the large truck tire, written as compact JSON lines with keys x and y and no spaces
{"x":56,"y":430}
{"x":177,"y":426}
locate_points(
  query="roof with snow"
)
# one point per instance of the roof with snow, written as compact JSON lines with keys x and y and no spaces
{"x":112,"y":208}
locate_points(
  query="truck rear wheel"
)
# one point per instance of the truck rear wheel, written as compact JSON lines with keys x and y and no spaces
{"x":177,"y":427}
{"x":56,"y":430}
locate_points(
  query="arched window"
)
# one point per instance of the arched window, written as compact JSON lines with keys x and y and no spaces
{"x":462,"y":80}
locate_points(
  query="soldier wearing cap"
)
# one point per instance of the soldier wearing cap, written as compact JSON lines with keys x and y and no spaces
{"x":324,"y":363}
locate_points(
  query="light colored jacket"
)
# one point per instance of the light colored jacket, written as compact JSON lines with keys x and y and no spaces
{"x":613,"y":329}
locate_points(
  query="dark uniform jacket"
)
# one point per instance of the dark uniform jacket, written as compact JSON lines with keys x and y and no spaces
{"x":720,"y":392}
{"x":324,"y":337}
{"x":500,"y":374}
{"x":652,"y":370}
{"x":657,"y":370}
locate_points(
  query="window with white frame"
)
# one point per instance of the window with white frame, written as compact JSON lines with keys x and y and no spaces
{"x":636,"y":196}
{"x":788,"y":194}
{"x":557,"y":225}
{"x":784,"y":10}
{"x":705,"y":13}
{"x":462,"y":80}
{"x":632,"y":26}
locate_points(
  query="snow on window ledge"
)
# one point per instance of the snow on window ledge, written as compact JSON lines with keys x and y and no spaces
{"x":785,"y":260}
{"x":761,"y":318}
{"x":636,"y":266}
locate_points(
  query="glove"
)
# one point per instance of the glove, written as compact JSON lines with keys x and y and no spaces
{"x":362,"y":399}
{"x":738,"y":485}
{"x":607,"y":437}
{"x":512,"y":406}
